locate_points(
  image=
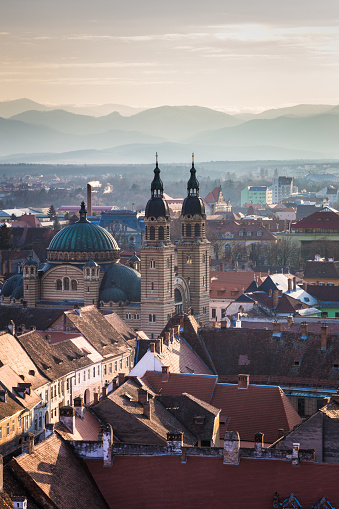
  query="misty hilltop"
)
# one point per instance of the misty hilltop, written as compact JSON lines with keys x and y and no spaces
{"x":33,"y":132}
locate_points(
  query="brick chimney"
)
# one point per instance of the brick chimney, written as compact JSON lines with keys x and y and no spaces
{"x":231,"y":447}
{"x":95,"y":398}
{"x":280,"y":432}
{"x":289,"y":282}
{"x":223,"y":324}
{"x":165,"y":373}
{"x":115,"y":384}
{"x":305,"y":286}
{"x":147,"y":410}
{"x":290,"y":321}
{"x":277,"y":327}
{"x":181,"y":321}
{"x":295,"y":455}
{"x":158,"y":344}
{"x":121,"y":378}
{"x":294,"y":283}
{"x":152,"y":347}
{"x":275,"y":298}
{"x":258,"y":443}
{"x":104,"y":392}
{"x":243,"y":381}
{"x":67,"y":417}
{"x":304,"y":329}
{"x":89,"y":200}
{"x":323,"y":336}
{"x":142,"y":396}
{"x":79,"y":406}
{"x":11,"y":327}
{"x":270,"y":292}
{"x":167,"y":337}
{"x":175,"y":440}
{"x":107,"y":444}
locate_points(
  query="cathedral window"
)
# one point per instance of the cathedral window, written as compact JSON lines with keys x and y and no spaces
{"x":189,"y":259}
{"x":168,"y":263}
{"x":152,"y":287}
{"x":188,"y":230}
{"x":188,"y":281}
{"x":58,"y":284}
{"x":197,"y":230}
{"x":203,"y":258}
{"x":74,"y":284}
{"x":161,"y":233}
{"x":151,"y":318}
{"x":152,"y":233}
{"x":152,"y":264}
{"x":87,"y":272}
{"x":66,"y":283}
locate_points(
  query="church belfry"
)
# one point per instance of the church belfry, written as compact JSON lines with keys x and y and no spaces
{"x":193,"y":250}
{"x":157,"y":260}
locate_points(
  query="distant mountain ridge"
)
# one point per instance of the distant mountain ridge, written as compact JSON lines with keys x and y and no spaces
{"x":38,"y":132}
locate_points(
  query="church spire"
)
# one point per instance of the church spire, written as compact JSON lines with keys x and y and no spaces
{"x":83,"y":212}
{"x":193,"y":184}
{"x":157,"y":187}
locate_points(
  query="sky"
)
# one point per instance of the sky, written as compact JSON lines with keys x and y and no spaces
{"x":237,"y":55}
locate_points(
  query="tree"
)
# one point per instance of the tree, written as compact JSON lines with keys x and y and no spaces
{"x":5,"y":237}
{"x":56,"y":223}
{"x":51,"y":212}
{"x":13,"y":217}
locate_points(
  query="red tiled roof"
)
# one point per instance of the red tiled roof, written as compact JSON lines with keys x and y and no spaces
{"x":234,"y":227}
{"x":163,"y":481}
{"x":213,"y":196}
{"x":248,"y":411}
{"x":232,"y":284}
{"x":323,"y":220}
{"x":199,"y":386}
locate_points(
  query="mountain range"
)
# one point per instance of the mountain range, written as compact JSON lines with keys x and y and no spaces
{"x":33,"y":132}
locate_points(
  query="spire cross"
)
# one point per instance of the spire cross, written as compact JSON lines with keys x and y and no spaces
{"x":156,"y":159}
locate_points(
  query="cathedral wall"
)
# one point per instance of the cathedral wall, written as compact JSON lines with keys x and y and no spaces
{"x":61,"y":273}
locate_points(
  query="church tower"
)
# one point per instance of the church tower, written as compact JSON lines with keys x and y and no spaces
{"x":193,"y":250}
{"x":30,"y":282}
{"x":157,"y":261}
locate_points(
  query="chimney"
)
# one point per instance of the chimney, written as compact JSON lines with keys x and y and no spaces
{"x":295,"y":455}
{"x":231,"y":447}
{"x":158,"y":344}
{"x":280,"y":432}
{"x":181,"y":321}
{"x":238,"y":322}
{"x":115,"y":384}
{"x":165,"y":373}
{"x":49,"y":429}
{"x":121,"y":378}
{"x":89,"y":200}
{"x":172,"y":334}
{"x":294,"y":283}
{"x":275,"y":298}
{"x":323,"y":336}
{"x":48,"y":338}
{"x":95,"y":398}
{"x":223,"y":324}
{"x":290,"y":321}
{"x":152,"y":347}
{"x":277,"y":327}
{"x":147,"y":410}
{"x":289,"y":282}
{"x":258,"y":443}
{"x":30,"y":442}
{"x":175,"y":440}
{"x":107,"y":443}
{"x":1,"y":474}
{"x":280,"y":292}
{"x":142,"y":396}
{"x":304,"y":329}
{"x":167,"y":337}
{"x":103,"y":392}
{"x":243,"y":381}
{"x":67,"y":417}
{"x":11,"y":327}
{"x":270,"y":292}
{"x":79,"y":406}
{"x":305,"y":286}
{"x":177,"y":331}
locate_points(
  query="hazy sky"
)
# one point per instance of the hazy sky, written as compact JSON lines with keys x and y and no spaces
{"x":237,"y":54}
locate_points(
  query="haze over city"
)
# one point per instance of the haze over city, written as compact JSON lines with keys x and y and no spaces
{"x":234,"y":56}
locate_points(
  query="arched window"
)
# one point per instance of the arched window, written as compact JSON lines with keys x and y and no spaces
{"x":168,"y":263}
{"x":161,"y":233}
{"x":66,"y":283}
{"x":152,"y":264}
{"x":87,"y":272}
{"x":152,"y":287}
{"x":183,"y":230}
{"x":203,"y":258}
{"x":152,"y":233}
{"x":188,"y":230}
{"x":58,"y":284}
{"x":189,"y":259}
{"x":197,"y":230}
{"x":74,"y":284}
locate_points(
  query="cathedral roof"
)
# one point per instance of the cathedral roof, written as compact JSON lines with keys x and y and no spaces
{"x":157,"y":206}
{"x":11,"y":285}
{"x":193,"y":204}
{"x":120,"y":283}
{"x":83,"y":236}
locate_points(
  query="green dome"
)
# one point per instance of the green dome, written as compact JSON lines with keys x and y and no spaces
{"x":11,"y":285}
{"x":123,"y":278}
{"x":83,"y":236}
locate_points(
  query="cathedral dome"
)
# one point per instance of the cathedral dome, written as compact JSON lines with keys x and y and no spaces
{"x":120,"y":282}
{"x":14,"y":283}
{"x":193,"y":205}
{"x":83,"y":236}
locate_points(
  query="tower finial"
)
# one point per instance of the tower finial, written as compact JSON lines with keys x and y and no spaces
{"x":156,"y":159}
{"x":192,"y":159}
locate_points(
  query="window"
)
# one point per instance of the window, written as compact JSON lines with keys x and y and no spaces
{"x":188,"y":231}
{"x":89,"y":374}
{"x":46,"y":395}
{"x":74,"y":285}
{"x":259,"y":233}
{"x":98,"y":370}
{"x":223,"y":313}
{"x":152,"y":287}
{"x":66,"y":283}
{"x":94,"y":371}
{"x":105,"y":369}
{"x":321,"y":284}
{"x":110,"y":367}
{"x":203,"y":281}
{"x":182,"y":230}
{"x":78,"y":377}
{"x":152,"y":264}
{"x":120,"y":364}
{"x":203,"y":258}
{"x":168,"y":287}
{"x":189,"y":259}
{"x":161,"y":233}
{"x":0,"y":432}
{"x":67,"y":384}
{"x":127,"y":362}
{"x":214,"y":312}
{"x":249,"y":234}
{"x":116,"y":366}
{"x":84,"y":376}
{"x":188,"y":281}
{"x":168,"y":263}
{"x":330,"y":284}
{"x":241,"y":233}
{"x":197,"y":230}
{"x":152,"y":233}
{"x":13,"y":425}
{"x":19,"y":422}
{"x":58,"y":284}
{"x":151,"y":318}
{"x":301,"y":406}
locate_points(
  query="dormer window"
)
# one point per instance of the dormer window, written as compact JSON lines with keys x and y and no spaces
{"x":296,"y":363}
{"x":199,"y":419}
